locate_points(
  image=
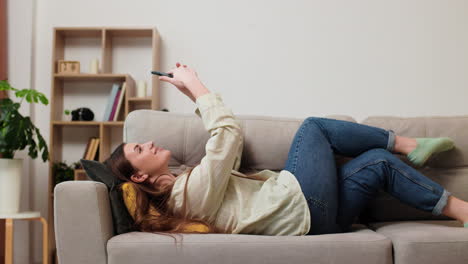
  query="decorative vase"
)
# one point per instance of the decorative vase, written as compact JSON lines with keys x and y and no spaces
{"x":141,"y":89}
{"x":94,"y":66}
{"x":10,"y":185}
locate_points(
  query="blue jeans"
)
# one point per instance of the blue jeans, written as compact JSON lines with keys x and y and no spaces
{"x":337,"y":195}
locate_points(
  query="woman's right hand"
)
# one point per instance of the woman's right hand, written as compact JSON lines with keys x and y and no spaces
{"x":186,"y":80}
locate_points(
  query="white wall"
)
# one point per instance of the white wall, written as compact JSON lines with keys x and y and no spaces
{"x":287,"y":58}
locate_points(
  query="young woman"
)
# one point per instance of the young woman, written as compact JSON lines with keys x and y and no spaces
{"x":310,"y":196}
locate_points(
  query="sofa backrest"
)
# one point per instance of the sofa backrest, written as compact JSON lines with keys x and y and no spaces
{"x":267,"y":141}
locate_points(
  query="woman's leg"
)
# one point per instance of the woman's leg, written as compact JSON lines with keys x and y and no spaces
{"x":311,"y":159}
{"x":362,"y":177}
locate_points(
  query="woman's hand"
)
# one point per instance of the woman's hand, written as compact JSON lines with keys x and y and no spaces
{"x":186,"y":80}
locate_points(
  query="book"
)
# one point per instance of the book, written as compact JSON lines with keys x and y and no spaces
{"x":97,"y":151}
{"x":87,"y":147}
{"x":119,"y":104}
{"x":114,"y":105}
{"x":110,"y":101}
{"x":91,"y":146}
{"x":94,"y":149}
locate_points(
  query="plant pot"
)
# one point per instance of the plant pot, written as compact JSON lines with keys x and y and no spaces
{"x":11,"y":171}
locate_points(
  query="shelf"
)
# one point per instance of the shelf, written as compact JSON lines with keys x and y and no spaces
{"x":97,"y":32}
{"x":76,"y":123}
{"x":139,"y":99}
{"x":91,"y":77}
{"x":87,"y":123}
{"x":130,"y":32}
{"x":79,"y":32}
{"x":113,"y":123}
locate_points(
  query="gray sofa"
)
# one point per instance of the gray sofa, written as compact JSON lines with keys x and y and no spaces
{"x":386,"y":232}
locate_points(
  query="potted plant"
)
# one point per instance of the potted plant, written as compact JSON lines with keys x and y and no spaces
{"x":63,"y":171}
{"x":16,"y":133}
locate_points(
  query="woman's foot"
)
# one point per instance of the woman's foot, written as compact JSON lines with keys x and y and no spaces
{"x":428,"y":146}
{"x":456,"y":209}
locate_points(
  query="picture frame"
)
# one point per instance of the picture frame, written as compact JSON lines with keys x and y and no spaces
{"x":70,"y":67}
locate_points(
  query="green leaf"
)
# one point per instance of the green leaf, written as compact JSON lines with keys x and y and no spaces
{"x":21,"y":137}
{"x":4,"y":85}
{"x":42,"y":146}
{"x":16,"y":106}
{"x":28,"y":97}
{"x":32,"y":152}
{"x":21,"y":93}
{"x":43,"y":99}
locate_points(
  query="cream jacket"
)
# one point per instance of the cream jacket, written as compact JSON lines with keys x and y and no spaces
{"x":232,"y":201}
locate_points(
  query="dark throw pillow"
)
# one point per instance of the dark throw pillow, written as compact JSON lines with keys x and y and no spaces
{"x":97,"y":171}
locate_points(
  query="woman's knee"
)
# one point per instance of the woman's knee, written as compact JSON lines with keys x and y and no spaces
{"x":313,"y":122}
{"x":313,"y":119}
{"x":367,"y":158}
{"x":310,"y":124}
{"x":378,"y":153}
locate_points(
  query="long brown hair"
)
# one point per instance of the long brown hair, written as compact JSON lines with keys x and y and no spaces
{"x":166,"y":223}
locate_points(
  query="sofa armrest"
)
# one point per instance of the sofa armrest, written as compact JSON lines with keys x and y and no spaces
{"x":83,"y":222}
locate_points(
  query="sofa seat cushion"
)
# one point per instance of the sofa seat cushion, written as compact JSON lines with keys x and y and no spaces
{"x":436,"y":241}
{"x":360,"y":246}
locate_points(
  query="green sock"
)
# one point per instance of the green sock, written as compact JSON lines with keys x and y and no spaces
{"x":465,"y":224}
{"x":428,"y":146}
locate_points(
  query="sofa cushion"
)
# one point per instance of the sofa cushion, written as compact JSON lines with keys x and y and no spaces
{"x":97,"y":171}
{"x":360,"y":246}
{"x":426,"y":241}
{"x":129,"y":196}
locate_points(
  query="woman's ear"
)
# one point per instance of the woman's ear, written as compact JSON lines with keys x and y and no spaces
{"x":139,"y":177}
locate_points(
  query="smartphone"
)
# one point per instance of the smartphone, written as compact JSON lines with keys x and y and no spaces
{"x":163,"y":74}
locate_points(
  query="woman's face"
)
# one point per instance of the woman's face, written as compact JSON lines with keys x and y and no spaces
{"x":149,"y":160}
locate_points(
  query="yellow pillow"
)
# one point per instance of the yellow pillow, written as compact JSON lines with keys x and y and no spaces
{"x":129,"y":197}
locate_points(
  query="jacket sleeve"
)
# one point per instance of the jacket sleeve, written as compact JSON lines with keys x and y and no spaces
{"x":208,"y":181}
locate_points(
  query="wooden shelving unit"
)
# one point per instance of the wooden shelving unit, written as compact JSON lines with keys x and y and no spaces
{"x":103,"y":39}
